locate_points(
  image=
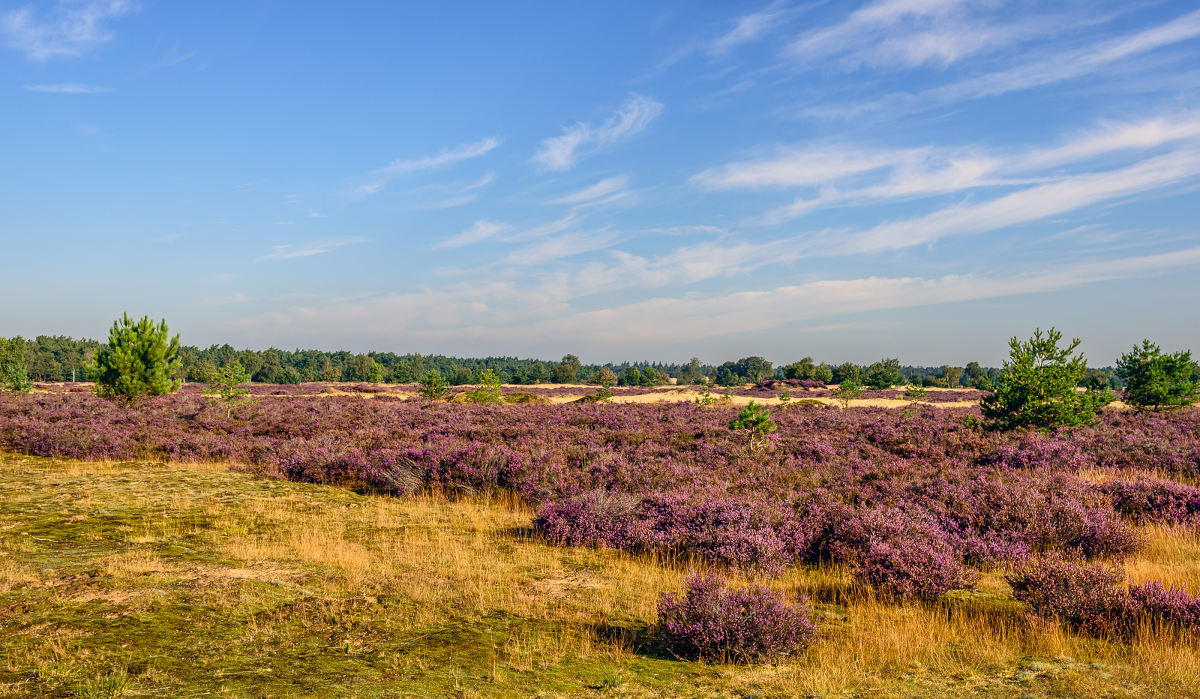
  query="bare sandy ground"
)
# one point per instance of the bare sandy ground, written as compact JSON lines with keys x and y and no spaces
{"x":667,"y":394}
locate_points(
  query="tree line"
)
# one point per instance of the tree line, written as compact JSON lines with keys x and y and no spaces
{"x":54,"y":358}
{"x":1038,"y":386}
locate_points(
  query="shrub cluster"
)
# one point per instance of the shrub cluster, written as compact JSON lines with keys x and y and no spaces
{"x":717,"y":622}
{"x":1088,"y":596}
{"x":913,"y":501}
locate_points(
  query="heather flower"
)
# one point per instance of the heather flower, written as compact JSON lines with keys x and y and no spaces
{"x":1174,"y":605}
{"x":1089,"y":596}
{"x":716,"y":622}
{"x":905,"y":555}
{"x":1147,"y":500}
{"x":1078,"y":593}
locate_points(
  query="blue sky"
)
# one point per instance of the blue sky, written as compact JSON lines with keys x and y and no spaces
{"x":911,"y":178}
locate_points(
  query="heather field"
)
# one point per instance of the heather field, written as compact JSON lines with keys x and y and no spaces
{"x":309,"y":541}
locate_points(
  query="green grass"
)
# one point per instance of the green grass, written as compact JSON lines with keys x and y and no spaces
{"x":138,"y":579}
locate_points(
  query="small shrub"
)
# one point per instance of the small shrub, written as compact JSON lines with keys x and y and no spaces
{"x":914,"y":392}
{"x":755,"y":420}
{"x":903,"y":555}
{"x":225,"y":385}
{"x":140,"y":359}
{"x":433,"y":386}
{"x":597,"y":519}
{"x":489,"y":390}
{"x":1146,"y":500}
{"x":847,"y":391}
{"x":715,"y":622}
{"x":1083,"y":595}
{"x":1089,"y":596}
{"x":1172,"y":605}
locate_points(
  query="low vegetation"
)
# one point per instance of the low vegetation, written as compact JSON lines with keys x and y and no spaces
{"x":986,"y":547}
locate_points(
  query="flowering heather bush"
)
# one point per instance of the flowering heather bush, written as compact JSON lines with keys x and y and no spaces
{"x":1080,"y":594}
{"x":743,"y":533}
{"x":1089,"y":596}
{"x":672,"y":478}
{"x":906,"y":555}
{"x":1154,"y":602}
{"x":716,"y":622}
{"x":1147,"y":500}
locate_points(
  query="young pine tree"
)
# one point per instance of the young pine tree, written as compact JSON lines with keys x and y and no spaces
{"x":1156,"y":380}
{"x":140,"y":359}
{"x":1037,"y":387}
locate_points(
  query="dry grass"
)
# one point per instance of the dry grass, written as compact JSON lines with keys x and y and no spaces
{"x":195,"y":580}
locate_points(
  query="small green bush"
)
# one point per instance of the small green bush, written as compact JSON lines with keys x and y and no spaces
{"x":489,"y":390}
{"x":225,"y":385}
{"x":847,"y":391}
{"x":433,"y":386}
{"x":755,"y":421}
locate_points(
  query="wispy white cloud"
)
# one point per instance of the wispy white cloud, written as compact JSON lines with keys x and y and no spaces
{"x":68,"y":89}
{"x":582,"y":140}
{"x":850,"y":174}
{"x":604,"y":191}
{"x":1073,"y":64}
{"x":316,"y":247}
{"x":559,"y":246}
{"x":793,"y":167}
{"x":661,"y":320}
{"x":479,"y":231}
{"x":501,"y":314}
{"x":544,"y":229}
{"x":1045,"y":68}
{"x":911,"y":33}
{"x":70,"y":29}
{"x":1032,"y":204}
{"x":749,"y":28}
{"x":447,"y":157}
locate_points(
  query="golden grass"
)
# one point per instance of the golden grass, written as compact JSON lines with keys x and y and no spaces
{"x":287,"y":583}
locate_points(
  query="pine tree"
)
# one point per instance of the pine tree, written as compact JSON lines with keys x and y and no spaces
{"x":141,"y":359}
{"x":1155,"y":379}
{"x":1037,"y":388}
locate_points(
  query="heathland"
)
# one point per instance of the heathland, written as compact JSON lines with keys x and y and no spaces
{"x":312,"y":541}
